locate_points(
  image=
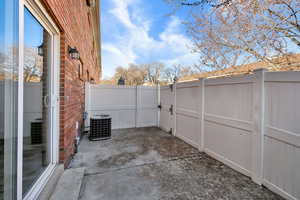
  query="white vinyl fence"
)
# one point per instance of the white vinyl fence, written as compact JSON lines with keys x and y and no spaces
{"x":167,"y":99}
{"x":188,"y":112}
{"x":249,"y":122}
{"x":129,"y":106}
{"x":2,"y":101}
{"x":32,"y":106}
{"x":282,"y":133}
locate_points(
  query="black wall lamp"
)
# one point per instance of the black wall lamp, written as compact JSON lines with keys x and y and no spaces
{"x":41,"y":50}
{"x":73,"y":52}
{"x":91,"y":3}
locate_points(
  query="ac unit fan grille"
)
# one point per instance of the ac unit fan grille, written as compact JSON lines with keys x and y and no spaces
{"x":100,"y":128}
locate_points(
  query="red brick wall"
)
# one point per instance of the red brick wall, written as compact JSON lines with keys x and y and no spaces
{"x":76,"y":31}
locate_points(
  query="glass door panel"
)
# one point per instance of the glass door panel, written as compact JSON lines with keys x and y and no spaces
{"x":37,"y":108}
{"x":9,"y":56}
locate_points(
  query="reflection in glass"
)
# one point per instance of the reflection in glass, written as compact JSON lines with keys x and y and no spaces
{"x":8,"y":97}
{"x":36,"y":100}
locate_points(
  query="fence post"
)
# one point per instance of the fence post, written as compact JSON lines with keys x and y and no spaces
{"x":173,"y":117}
{"x":137,"y":104}
{"x":158,"y":103}
{"x":201,"y":114}
{"x":258,"y":125}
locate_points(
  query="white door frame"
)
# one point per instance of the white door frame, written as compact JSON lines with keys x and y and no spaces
{"x":40,"y":13}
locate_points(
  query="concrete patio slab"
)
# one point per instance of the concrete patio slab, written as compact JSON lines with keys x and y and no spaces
{"x":69,"y":184}
{"x":130,"y":147}
{"x":149,"y":164}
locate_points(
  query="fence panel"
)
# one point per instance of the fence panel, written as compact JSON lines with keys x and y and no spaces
{"x":282,"y":133}
{"x":147,"y":102}
{"x":167,"y":101}
{"x":117,"y":101}
{"x":228,"y":121}
{"x":188,"y":112}
{"x":2,"y":101}
{"x":129,"y":106}
{"x":32,"y":106}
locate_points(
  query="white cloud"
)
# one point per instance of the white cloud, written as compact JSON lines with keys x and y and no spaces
{"x":132,"y":42}
{"x":115,"y":56}
{"x":121,"y":12}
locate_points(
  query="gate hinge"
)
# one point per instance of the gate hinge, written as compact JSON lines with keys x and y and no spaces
{"x":159,"y":106}
{"x":171,"y":110}
{"x":171,"y":87}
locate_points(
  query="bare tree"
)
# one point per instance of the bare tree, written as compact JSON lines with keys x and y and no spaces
{"x":8,"y":63}
{"x":137,"y":75}
{"x":177,"y":72}
{"x":228,"y":33}
{"x":212,"y":3}
{"x":120,"y":72}
{"x":153,"y":72}
{"x":2,"y":61}
{"x":2,"y":58}
{"x":171,"y":74}
{"x":133,"y":75}
{"x":33,"y":65}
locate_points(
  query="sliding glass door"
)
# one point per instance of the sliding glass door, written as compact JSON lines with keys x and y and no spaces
{"x":37,"y":95}
{"x":9,"y":79}
{"x":29,"y":66}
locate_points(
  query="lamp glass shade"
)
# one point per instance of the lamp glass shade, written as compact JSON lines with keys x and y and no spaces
{"x":74,"y":54}
{"x":41,"y":50}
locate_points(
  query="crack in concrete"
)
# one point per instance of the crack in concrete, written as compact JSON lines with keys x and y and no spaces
{"x":145,"y":164}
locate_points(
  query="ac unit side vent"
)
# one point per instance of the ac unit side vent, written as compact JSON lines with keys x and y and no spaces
{"x":36,"y":129}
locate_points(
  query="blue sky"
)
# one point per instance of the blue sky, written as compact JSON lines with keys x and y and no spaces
{"x":139,"y":31}
{"x":33,"y":30}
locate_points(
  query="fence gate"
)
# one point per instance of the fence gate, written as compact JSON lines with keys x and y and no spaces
{"x":167,"y":97}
